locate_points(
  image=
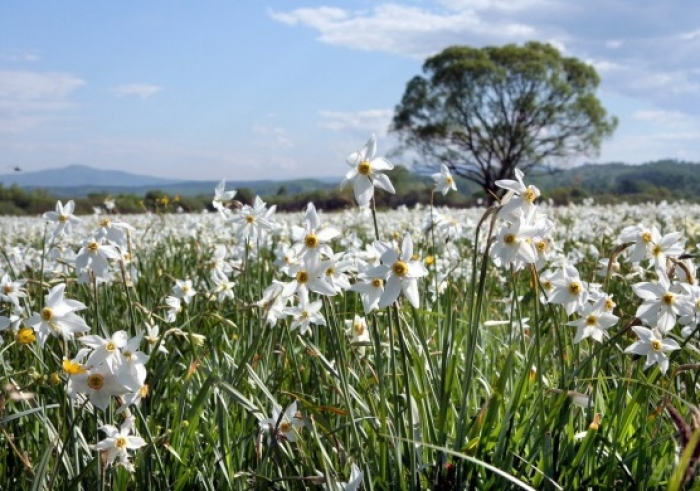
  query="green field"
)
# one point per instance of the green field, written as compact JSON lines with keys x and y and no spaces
{"x":281,"y":362}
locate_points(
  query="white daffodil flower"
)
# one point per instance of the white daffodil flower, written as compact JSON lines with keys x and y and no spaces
{"x":364,"y":173}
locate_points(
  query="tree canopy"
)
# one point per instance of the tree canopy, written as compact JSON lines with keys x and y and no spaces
{"x":484,"y":112}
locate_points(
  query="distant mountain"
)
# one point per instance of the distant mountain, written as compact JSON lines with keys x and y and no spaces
{"x":676,"y":179}
{"x":76,"y":181}
{"x":681,"y":179}
{"x":80,"y":175}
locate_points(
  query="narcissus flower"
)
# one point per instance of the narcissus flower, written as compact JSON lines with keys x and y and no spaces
{"x":118,"y":441}
{"x":63,"y":218}
{"x":444,"y":182}
{"x":283,"y":426}
{"x":305,"y":313}
{"x":11,"y":290}
{"x":364,"y":173}
{"x":652,"y":345}
{"x":661,"y":302}
{"x":593,"y":323}
{"x":401,"y":271}
{"x":313,"y":238}
{"x":57,"y":318}
{"x":518,"y":197}
{"x":253,"y":221}
{"x":100,"y":384}
{"x":221,"y":196}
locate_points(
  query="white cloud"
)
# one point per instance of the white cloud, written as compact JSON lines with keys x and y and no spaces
{"x":690,"y":36}
{"x":604,"y":66}
{"x":274,"y":136}
{"x":29,"y":99}
{"x":404,"y":30}
{"x":19,"y":56}
{"x":498,"y":5}
{"x":642,"y":50}
{"x":661,"y":116}
{"x":363,"y":122}
{"x":144,"y":91}
{"x":675,"y":82}
{"x":638,"y":149}
{"x":313,"y":17}
{"x":28,"y":86}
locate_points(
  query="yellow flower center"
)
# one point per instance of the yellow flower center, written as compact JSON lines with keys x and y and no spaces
{"x":129,"y":355}
{"x":656,"y":345}
{"x":47,"y":314}
{"x":285,"y":427}
{"x":93,"y":246}
{"x":359,"y":328}
{"x":311,"y":241}
{"x":509,"y":238}
{"x":8,"y":289}
{"x":646,"y":237}
{"x":63,"y":218}
{"x":575,"y":288}
{"x":377,"y":283}
{"x":110,"y":346}
{"x":95,"y":381}
{"x":657,"y":250}
{"x":364,"y":168}
{"x":668,"y":298}
{"x":105,"y":223}
{"x":591,"y":320}
{"x":250,"y":218}
{"x":120,"y":442}
{"x":547,"y":285}
{"x":449,"y":180}
{"x":143,"y":391}
{"x":330,"y":272}
{"x":609,"y":304}
{"x":72,"y":368}
{"x":429,"y":260}
{"x":541,"y":246}
{"x":400,"y":269}
{"x":26,"y":336}
{"x":529,"y":195}
{"x":302,"y":276}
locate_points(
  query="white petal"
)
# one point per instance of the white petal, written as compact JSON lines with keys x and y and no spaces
{"x":382,"y":181}
{"x":410,"y":289}
{"x":370,"y":148}
{"x":363,"y":190}
{"x":407,"y":248}
{"x":391,"y":292}
{"x":380,"y":164}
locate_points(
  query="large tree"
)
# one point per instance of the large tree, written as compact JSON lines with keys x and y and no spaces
{"x":484,"y":112}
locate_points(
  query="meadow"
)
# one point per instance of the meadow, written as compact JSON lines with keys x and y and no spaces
{"x":518,"y":346}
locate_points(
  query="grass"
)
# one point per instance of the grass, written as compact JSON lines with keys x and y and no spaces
{"x":438,"y":398}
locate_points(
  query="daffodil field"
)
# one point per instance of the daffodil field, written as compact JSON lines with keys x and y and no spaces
{"x":519,"y":346}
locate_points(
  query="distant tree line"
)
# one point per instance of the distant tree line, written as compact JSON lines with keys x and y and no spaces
{"x":608,"y":184}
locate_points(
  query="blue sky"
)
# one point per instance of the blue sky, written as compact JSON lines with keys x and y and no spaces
{"x":283,"y":89}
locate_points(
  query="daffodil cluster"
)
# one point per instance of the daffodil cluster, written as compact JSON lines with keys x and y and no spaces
{"x":526,"y":238}
{"x":108,"y":368}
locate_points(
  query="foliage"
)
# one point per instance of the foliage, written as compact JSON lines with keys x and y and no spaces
{"x":609,"y":183}
{"x":484,"y":112}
